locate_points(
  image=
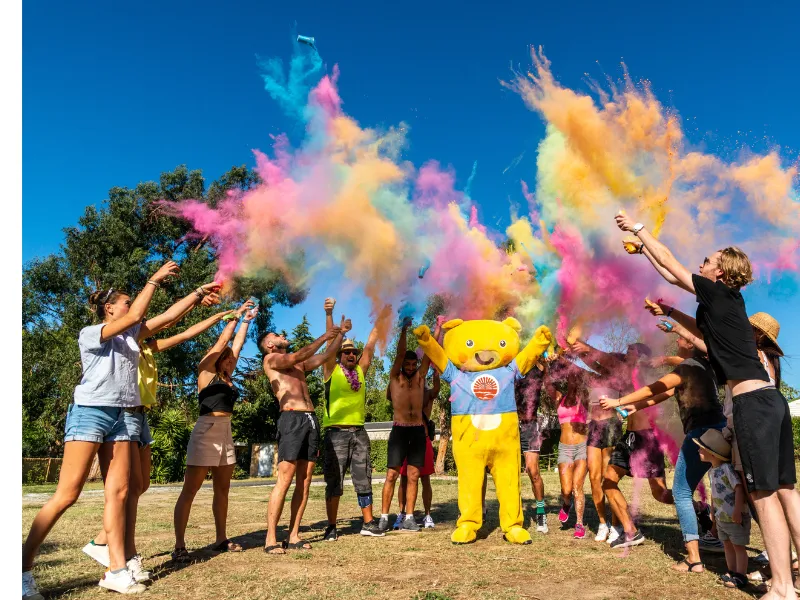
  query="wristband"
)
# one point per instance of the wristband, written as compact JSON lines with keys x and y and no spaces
{"x":641,"y":249}
{"x":669,"y":312}
{"x":155,"y":283}
{"x":198,"y":294}
{"x":229,"y":317}
{"x":637,"y":228}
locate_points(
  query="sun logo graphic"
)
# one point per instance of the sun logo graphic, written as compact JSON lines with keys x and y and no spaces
{"x":485,"y":387}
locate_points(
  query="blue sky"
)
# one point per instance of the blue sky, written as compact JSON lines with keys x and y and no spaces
{"x":114,"y":94}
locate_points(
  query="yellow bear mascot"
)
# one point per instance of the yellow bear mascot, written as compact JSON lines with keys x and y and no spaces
{"x":481,"y":360}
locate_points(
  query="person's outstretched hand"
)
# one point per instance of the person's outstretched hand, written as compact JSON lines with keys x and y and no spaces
{"x":653,"y":307}
{"x":168,"y":269}
{"x":624,"y":222}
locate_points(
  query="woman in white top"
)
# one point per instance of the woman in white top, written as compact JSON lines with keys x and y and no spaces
{"x":147,"y":380}
{"x":104,"y":419}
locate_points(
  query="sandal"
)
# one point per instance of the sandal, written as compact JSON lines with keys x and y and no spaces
{"x":270,"y":550}
{"x":227,"y":546}
{"x":300,"y":545}
{"x":689,"y":567}
{"x":181,"y":555}
{"x":734,"y":580}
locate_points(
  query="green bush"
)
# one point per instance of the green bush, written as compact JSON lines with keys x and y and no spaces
{"x":796,"y":436}
{"x":171,"y":434}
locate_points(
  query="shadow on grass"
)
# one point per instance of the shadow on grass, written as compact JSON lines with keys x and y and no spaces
{"x":68,"y":588}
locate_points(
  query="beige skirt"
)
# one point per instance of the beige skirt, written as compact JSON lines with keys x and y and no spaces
{"x":211,"y":443}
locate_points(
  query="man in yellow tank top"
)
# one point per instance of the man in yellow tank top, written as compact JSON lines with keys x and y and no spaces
{"x":346,"y":440}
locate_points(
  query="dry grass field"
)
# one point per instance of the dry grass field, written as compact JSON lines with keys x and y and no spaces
{"x":410,"y":566}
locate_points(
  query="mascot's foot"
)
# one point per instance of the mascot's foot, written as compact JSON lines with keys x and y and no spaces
{"x":463,"y":535}
{"x":518,"y":535}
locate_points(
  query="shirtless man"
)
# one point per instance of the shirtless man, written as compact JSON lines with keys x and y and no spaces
{"x":298,"y":428}
{"x":409,"y":431}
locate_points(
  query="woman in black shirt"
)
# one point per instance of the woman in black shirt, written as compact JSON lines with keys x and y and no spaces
{"x":760,"y":413}
{"x":211,"y":443}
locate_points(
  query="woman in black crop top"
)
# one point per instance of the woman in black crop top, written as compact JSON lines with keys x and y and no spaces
{"x":211,"y":443}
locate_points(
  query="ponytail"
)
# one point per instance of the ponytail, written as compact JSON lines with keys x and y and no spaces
{"x":99,"y":299}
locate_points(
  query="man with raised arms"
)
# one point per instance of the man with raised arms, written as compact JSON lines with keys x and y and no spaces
{"x":407,"y":439}
{"x":346,"y":441}
{"x":298,"y":428}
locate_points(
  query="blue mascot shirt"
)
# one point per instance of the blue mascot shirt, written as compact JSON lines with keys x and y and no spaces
{"x":482,"y":392}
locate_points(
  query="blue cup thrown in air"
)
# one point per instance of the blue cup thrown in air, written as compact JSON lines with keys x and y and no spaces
{"x":307,"y":40}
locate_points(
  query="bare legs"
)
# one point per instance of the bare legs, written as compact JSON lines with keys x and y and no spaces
{"x":78,"y":457}
{"x":573,"y":476}
{"x":427,"y":494}
{"x":192,"y":481}
{"x":287,"y":470}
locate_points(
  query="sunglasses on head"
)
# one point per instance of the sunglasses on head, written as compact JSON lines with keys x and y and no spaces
{"x":349,"y":351}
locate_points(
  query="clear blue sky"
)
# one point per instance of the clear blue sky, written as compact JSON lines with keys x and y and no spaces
{"x":114,"y":94}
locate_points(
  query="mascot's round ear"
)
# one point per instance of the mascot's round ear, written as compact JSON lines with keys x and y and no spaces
{"x":452,"y":324}
{"x":513,"y":323}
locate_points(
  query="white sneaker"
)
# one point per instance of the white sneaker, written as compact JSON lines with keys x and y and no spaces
{"x":99,"y":553}
{"x":121,"y":582}
{"x":428,"y":522}
{"x":137,"y":570}
{"x":30,"y":591}
{"x":613,"y":534}
{"x":602,"y":533}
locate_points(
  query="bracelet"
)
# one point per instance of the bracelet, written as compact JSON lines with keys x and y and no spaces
{"x":198,"y":294}
{"x":669,"y":312}
{"x":641,"y":249}
{"x":155,"y":283}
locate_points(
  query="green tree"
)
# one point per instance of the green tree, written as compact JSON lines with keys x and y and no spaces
{"x":120,"y":244}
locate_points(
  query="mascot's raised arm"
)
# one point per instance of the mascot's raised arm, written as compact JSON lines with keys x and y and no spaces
{"x":481,"y":360}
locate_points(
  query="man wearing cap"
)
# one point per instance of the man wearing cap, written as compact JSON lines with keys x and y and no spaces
{"x":346,"y":440}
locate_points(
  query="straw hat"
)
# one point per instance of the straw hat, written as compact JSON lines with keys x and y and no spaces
{"x":769,"y":326}
{"x":347,"y":345}
{"x":714,"y":442}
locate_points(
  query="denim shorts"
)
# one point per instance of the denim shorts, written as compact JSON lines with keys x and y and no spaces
{"x":102,"y":424}
{"x":145,"y":438}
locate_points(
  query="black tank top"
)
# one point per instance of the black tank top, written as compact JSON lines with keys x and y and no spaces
{"x":217,"y":396}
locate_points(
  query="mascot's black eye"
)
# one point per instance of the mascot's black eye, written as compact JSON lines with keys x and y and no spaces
{"x":470,"y":343}
{"x":502,"y":343}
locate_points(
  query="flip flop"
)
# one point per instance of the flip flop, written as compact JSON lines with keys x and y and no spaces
{"x":269,"y":550}
{"x":300,"y":545}
{"x":690,"y":567}
{"x":227,"y":546}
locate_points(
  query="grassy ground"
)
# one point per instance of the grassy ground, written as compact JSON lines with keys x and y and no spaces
{"x":411,"y":566}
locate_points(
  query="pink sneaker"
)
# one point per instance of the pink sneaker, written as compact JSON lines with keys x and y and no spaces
{"x":563,"y":515}
{"x":580,"y":531}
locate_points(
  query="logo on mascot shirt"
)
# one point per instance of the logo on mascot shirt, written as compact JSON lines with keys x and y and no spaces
{"x":485,"y":387}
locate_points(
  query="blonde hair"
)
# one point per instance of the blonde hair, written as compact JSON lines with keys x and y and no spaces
{"x":736,"y":269}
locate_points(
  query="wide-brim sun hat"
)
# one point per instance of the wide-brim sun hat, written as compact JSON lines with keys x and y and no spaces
{"x":769,"y":326}
{"x":713,"y":441}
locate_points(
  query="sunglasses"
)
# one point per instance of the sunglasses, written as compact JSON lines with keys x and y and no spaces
{"x":353,"y":352}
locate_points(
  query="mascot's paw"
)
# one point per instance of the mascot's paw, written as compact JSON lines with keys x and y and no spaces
{"x":464,"y":535}
{"x":518,"y":535}
{"x":543,"y":336}
{"x":423,"y":333}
